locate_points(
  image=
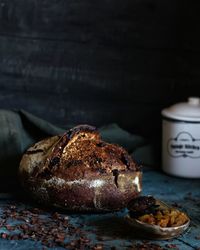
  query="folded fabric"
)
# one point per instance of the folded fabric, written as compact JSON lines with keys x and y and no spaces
{"x":20,"y":129}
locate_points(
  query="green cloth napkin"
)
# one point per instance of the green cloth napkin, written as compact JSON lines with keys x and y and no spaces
{"x":20,"y":129}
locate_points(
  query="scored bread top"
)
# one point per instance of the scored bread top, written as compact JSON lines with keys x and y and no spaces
{"x":79,"y":153}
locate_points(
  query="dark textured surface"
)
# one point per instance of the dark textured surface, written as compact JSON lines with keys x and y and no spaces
{"x":112,"y":230}
{"x":99,"y":62}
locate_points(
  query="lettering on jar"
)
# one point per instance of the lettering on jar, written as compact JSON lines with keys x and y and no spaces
{"x":184,"y":145}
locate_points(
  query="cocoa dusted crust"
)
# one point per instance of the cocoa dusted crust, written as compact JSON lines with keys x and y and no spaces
{"x":78,"y":171}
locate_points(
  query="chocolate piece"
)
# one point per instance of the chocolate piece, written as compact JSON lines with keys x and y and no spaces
{"x":142,"y":205}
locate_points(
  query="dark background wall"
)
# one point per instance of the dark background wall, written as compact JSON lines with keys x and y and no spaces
{"x":96,"y":62}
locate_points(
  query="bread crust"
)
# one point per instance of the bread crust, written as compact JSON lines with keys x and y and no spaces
{"x":80,"y":172}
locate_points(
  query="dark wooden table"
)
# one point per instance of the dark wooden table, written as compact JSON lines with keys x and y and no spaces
{"x":111,"y":229}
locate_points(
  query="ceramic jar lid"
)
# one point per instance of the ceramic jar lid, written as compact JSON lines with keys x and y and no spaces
{"x":184,"y":111}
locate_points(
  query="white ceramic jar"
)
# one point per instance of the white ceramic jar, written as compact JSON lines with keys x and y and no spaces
{"x":181,"y":139}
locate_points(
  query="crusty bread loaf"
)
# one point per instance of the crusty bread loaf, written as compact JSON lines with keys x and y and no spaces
{"x":78,"y":171}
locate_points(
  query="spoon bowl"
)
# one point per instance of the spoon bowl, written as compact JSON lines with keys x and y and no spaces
{"x":151,"y":231}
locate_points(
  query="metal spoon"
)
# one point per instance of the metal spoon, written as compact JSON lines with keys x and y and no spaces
{"x":157,"y":232}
